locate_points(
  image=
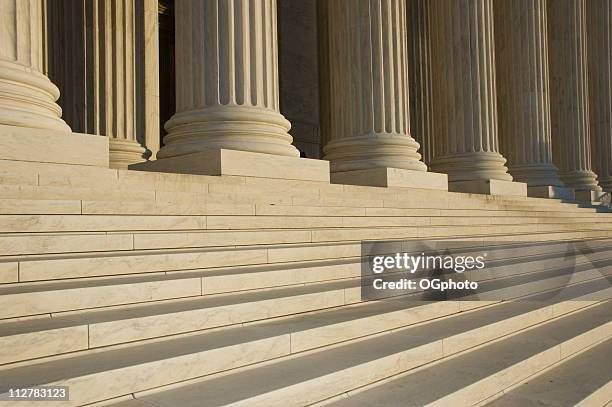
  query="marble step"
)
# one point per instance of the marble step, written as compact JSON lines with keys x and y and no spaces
{"x":27,"y":299}
{"x":112,"y":263}
{"x":318,"y":376}
{"x":113,"y":326}
{"x":111,"y":373}
{"x":472,"y":378}
{"x":224,"y":206}
{"x":274,"y":216}
{"x":38,"y":244}
{"x":584,"y":380}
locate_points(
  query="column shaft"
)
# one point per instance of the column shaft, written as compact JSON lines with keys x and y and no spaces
{"x":368,"y":76}
{"x":465,"y":111}
{"x":27,"y":96}
{"x":420,"y":76}
{"x":92,"y":58}
{"x":521,"y":50}
{"x":569,"y":96}
{"x":227,"y":79}
{"x":599,"y":21}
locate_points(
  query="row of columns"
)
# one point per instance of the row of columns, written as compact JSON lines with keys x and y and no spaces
{"x":488,"y":77}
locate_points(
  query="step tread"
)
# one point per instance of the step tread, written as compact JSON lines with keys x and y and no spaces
{"x":88,"y":364}
{"x":567,"y":384}
{"x":471,"y":367}
{"x":258,"y":381}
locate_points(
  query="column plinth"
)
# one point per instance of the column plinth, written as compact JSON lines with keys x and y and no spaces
{"x":227,"y":80}
{"x":465,"y":110}
{"x":569,"y":95}
{"x":27,"y":96}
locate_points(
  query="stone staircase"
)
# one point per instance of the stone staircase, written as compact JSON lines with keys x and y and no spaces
{"x":147,"y":289}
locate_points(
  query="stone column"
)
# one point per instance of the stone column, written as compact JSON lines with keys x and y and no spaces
{"x":27,"y":96}
{"x":521,"y":52}
{"x":227,"y":80}
{"x":569,"y":95}
{"x":465,"y":108}
{"x":368,"y":77}
{"x":420,"y":76}
{"x":599,"y":21}
{"x":92,"y":58}
{"x":118,"y":47}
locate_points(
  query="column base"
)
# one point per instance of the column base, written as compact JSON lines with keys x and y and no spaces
{"x":550,"y":191}
{"x":124,"y":153}
{"x":489,"y":187}
{"x":392,"y":177}
{"x":240,"y":163}
{"x":51,"y":146}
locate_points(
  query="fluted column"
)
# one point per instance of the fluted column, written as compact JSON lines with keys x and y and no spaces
{"x":118,"y":46}
{"x":92,"y":58}
{"x":227,"y":80}
{"x":419,"y":76}
{"x":599,"y":21}
{"x":521,"y":51}
{"x":368,"y":78}
{"x":569,"y":95}
{"x":465,"y":111}
{"x":27,"y":96}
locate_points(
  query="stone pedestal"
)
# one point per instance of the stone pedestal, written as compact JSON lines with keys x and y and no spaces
{"x":392,"y":177}
{"x":552,"y":192}
{"x":569,"y":95}
{"x":521,"y":51}
{"x":27,"y":96}
{"x":227,"y":80}
{"x":489,"y":187}
{"x":240,"y":163}
{"x":465,"y":110}
{"x":599,"y":21}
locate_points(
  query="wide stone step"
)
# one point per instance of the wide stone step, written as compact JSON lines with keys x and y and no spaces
{"x":584,"y":380}
{"x":275,"y":216}
{"x":50,"y":243}
{"x":98,"y":328}
{"x":93,"y":264}
{"x":314,"y":377}
{"x":471,"y":378}
{"x":149,"y":365}
{"x":224,"y":206}
{"x":27,"y":299}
